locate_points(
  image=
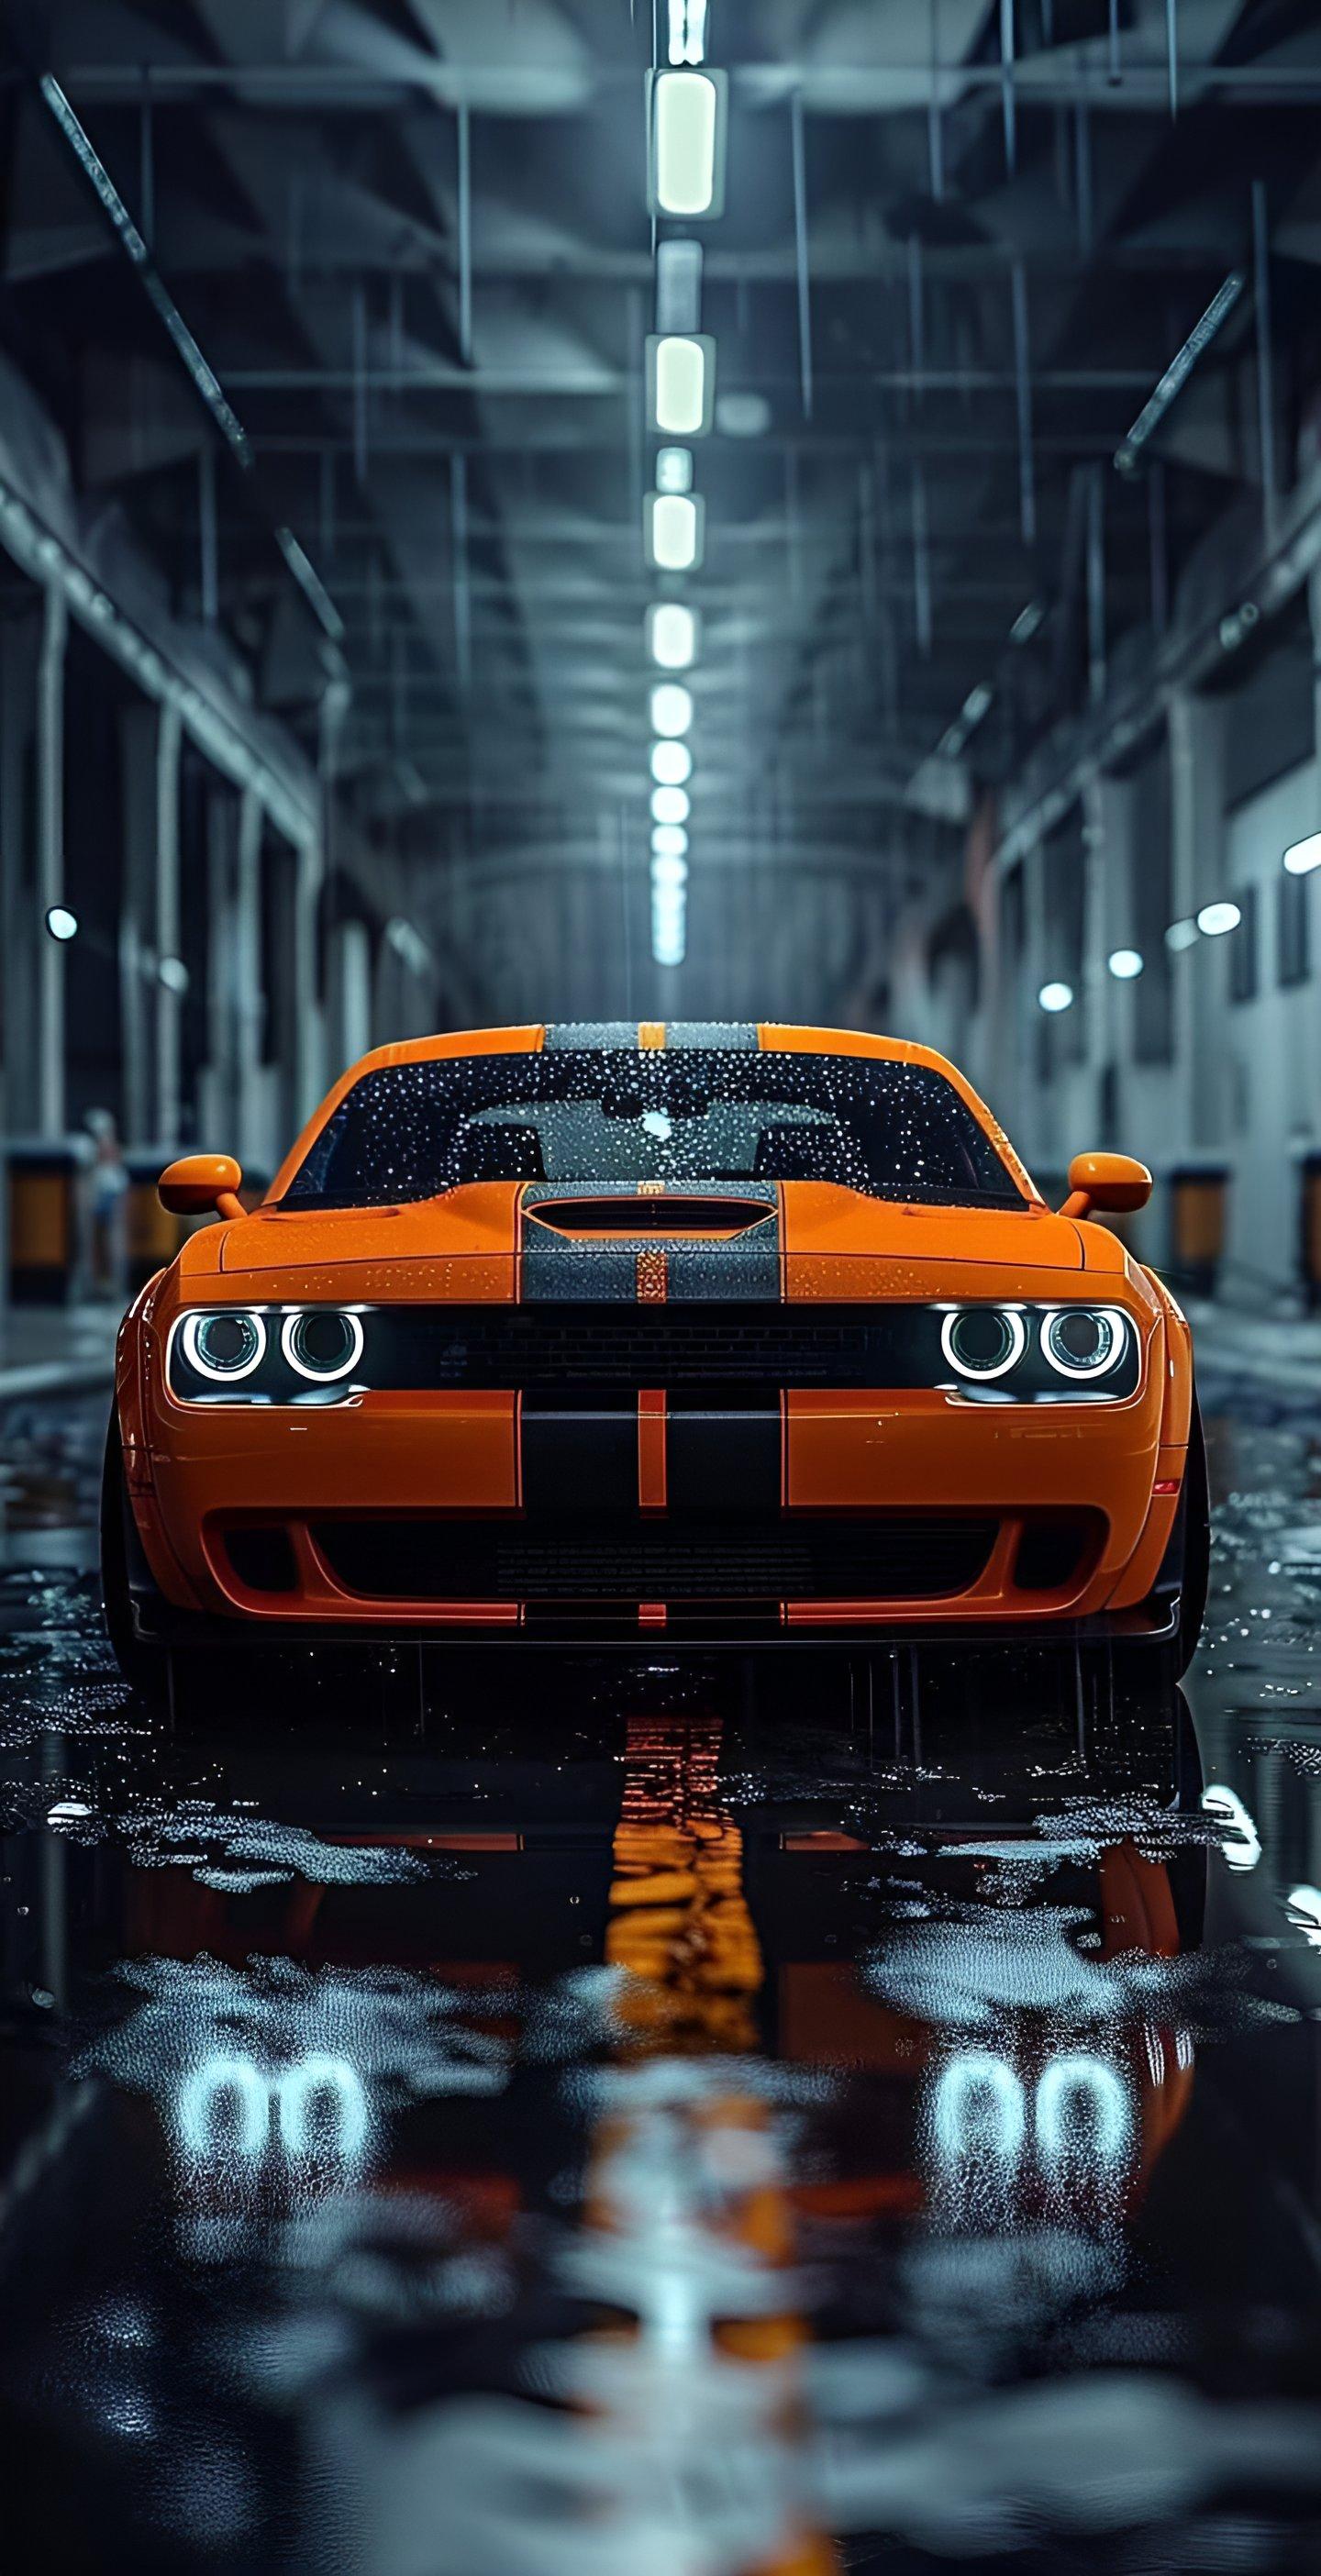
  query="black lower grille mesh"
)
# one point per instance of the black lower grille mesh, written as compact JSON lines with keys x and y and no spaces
{"x":826,"y":1559}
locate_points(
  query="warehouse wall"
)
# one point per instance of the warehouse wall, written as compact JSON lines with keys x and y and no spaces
{"x":1208,"y":1062}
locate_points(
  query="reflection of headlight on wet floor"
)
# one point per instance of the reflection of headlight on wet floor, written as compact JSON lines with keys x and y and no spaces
{"x":1304,"y":1911}
{"x":1242,"y":1844}
{"x":1080,"y":2111}
{"x":315,"y":2107}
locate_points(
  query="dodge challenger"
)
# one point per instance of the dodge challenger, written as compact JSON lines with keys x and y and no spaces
{"x":606,"y":1331}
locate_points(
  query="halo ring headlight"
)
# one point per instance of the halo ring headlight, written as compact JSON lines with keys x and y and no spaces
{"x":1071,"y":1358}
{"x":302,"y":1359}
{"x":1004,"y":1354}
{"x":226,"y":1344}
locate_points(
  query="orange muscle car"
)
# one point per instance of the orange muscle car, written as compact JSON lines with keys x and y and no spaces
{"x":600,"y":1331}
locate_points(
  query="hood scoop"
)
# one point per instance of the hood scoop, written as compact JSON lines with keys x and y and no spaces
{"x":719,"y":1218}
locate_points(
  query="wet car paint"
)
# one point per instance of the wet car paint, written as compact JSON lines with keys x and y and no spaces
{"x":786,"y":2118}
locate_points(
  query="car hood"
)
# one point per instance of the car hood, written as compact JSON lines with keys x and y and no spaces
{"x":825,"y":1240}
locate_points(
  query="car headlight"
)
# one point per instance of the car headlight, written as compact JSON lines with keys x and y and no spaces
{"x":322,"y":1342}
{"x":1083,"y":1341}
{"x":983,"y":1341}
{"x":1034,"y":1354}
{"x":224,"y":1347}
{"x":266,"y":1355}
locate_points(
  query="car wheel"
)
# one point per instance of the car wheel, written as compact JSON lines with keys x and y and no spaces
{"x":143,"y":1664}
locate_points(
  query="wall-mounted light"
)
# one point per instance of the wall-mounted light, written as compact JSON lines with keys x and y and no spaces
{"x":1215,"y":919}
{"x":670,"y":805}
{"x":674,"y":634}
{"x":669,"y":841}
{"x":1125,"y":963}
{"x":671,"y":763}
{"x":1302,"y":856}
{"x":671,"y":708}
{"x":681,"y":376}
{"x":673,"y":530}
{"x":61,"y":923}
{"x":1056,"y":997}
{"x":689,"y":118}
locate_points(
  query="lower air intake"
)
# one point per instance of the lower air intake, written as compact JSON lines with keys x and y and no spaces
{"x":825,"y":1559}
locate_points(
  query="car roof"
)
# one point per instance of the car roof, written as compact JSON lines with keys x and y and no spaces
{"x":554,"y":1035}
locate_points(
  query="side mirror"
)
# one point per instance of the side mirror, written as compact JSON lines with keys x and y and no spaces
{"x":1112,"y":1184}
{"x":202,"y":1185}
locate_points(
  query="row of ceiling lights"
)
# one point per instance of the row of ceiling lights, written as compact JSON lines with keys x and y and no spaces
{"x":1212,"y":922}
{"x":686,"y":155}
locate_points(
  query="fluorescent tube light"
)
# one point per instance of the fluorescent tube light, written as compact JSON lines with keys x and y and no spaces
{"x":681,"y":368}
{"x":688,"y":118}
{"x":672,"y":528}
{"x":673,"y":635}
{"x":671,"y":707}
{"x":671,"y":764}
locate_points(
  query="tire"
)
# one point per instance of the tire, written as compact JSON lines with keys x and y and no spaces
{"x":143,"y":1664}
{"x":1192,"y":1534}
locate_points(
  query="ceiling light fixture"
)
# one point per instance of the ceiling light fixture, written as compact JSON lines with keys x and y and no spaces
{"x":1215,"y":919}
{"x":673,"y":635}
{"x":687,"y":31}
{"x":1056,"y":997}
{"x":667,"y":871}
{"x":1302,"y":856}
{"x":61,"y":923}
{"x":1181,"y":935}
{"x":670,"y":805}
{"x":688,"y":119}
{"x":673,"y":531}
{"x":674,"y":469}
{"x":671,"y":764}
{"x":669,"y":841}
{"x":1125,"y":963}
{"x":671,"y":708}
{"x":681,"y":369}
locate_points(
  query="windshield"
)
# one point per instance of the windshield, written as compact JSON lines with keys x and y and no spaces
{"x":617,"y":1115}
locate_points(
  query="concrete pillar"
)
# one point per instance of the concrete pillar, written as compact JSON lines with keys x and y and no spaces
{"x":20,"y":921}
{"x":1031,"y":1125}
{"x":350,"y":981}
{"x":308,"y":1037}
{"x":137,"y":953}
{"x":168,"y":1003}
{"x":50,"y":863}
{"x":220,"y":1079}
{"x":1107,"y":842}
{"x":249,"y":1001}
{"x":1197,"y":834}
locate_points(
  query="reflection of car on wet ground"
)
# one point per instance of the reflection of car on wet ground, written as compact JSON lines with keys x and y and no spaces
{"x":599,"y":1331}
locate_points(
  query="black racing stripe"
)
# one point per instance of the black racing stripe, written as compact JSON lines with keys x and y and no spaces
{"x":579,"y":1462}
{"x":556,"y":1269}
{"x":722,"y":1459}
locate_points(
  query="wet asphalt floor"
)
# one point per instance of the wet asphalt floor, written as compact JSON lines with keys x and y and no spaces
{"x":663,"y":2121}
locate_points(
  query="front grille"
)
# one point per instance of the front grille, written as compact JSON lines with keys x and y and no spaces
{"x":829,"y":1558}
{"x":682,"y":1344}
